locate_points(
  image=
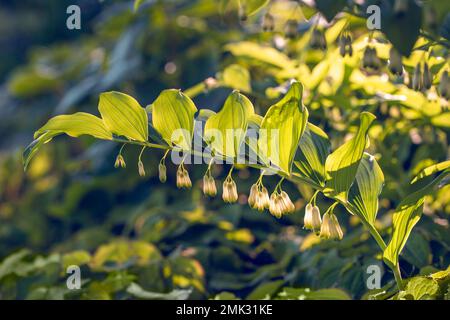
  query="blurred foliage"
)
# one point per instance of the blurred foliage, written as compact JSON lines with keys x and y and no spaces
{"x":136,"y":238}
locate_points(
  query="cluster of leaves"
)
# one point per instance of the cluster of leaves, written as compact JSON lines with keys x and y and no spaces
{"x":411,"y":133}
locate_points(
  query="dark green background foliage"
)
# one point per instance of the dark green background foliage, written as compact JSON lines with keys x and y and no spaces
{"x":137,"y":238}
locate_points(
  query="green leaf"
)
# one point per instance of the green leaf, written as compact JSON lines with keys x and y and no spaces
{"x":257,"y":52}
{"x":78,"y":257}
{"x":119,"y":253}
{"x":253,"y":6}
{"x":428,"y":171}
{"x":341,"y":166}
{"x":123,"y":115}
{"x":421,"y":287}
{"x":237,"y":77}
{"x":173,"y":117}
{"x":282,"y":127}
{"x":406,"y":216}
{"x":176,"y":294}
{"x":225,"y":130}
{"x":10,"y":263}
{"x":308,"y":294}
{"x":74,"y":125}
{"x":265,"y":290}
{"x":314,"y":147}
{"x":363,"y":194}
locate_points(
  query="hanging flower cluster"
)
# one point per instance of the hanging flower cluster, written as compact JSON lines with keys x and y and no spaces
{"x":328,"y":228}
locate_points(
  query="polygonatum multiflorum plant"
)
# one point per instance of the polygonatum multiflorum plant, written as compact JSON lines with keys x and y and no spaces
{"x":283,"y":142}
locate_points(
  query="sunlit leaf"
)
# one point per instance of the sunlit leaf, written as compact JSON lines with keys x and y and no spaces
{"x":406,"y":216}
{"x":314,"y":147}
{"x":237,"y":77}
{"x":123,"y":115}
{"x":341,"y":166}
{"x":74,"y":125}
{"x":260,"y":53}
{"x":173,"y":117}
{"x":225,"y":130}
{"x":363,"y":194}
{"x":282,"y":128}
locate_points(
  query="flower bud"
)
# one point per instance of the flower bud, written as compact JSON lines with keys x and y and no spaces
{"x":318,"y":40}
{"x":416,"y":85}
{"x":289,"y":206}
{"x":307,"y":219}
{"x":342,"y":45}
{"x":330,"y":228}
{"x":183,"y":179}
{"x":268,"y":23}
{"x":316,"y":220}
{"x":209,"y":186}
{"x":162,"y":171}
{"x":141,"y":168}
{"x":229,"y":194}
{"x":252,"y":196}
{"x":395,"y":62}
{"x":265,"y":197}
{"x":444,"y":85}
{"x":336,"y":231}
{"x":274,"y":206}
{"x":426,"y":77}
{"x":290,"y":29}
{"x":120,"y":162}
{"x":349,"y":45}
{"x":259,"y":201}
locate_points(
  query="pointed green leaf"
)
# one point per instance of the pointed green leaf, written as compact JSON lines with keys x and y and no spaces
{"x":406,"y":216}
{"x":282,"y":127}
{"x":253,"y":6}
{"x":123,"y":115}
{"x":428,"y":171}
{"x":237,"y":77}
{"x":173,"y":117}
{"x":363,"y":195}
{"x":314,"y":147}
{"x":74,"y":125}
{"x":341,"y":166}
{"x":259,"y":53}
{"x":225,"y":130}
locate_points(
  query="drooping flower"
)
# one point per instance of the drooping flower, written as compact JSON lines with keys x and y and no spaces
{"x":229,"y":193}
{"x":141,"y":168}
{"x":162,"y":172}
{"x":307,"y":219}
{"x":252,"y":195}
{"x":265,"y":197}
{"x":426,"y":77}
{"x":275,"y":207}
{"x":417,"y":78}
{"x":120,"y":162}
{"x":288,"y":205}
{"x":209,"y":186}
{"x":317,"y":40}
{"x":395,"y":62}
{"x":330,"y":227}
{"x":183,"y":179}
{"x":312,"y":220}
{"x":268,"y":23}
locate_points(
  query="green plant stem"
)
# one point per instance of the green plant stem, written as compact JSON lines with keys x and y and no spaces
{"x":382,"y":245}
{"x":398,"y":277}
